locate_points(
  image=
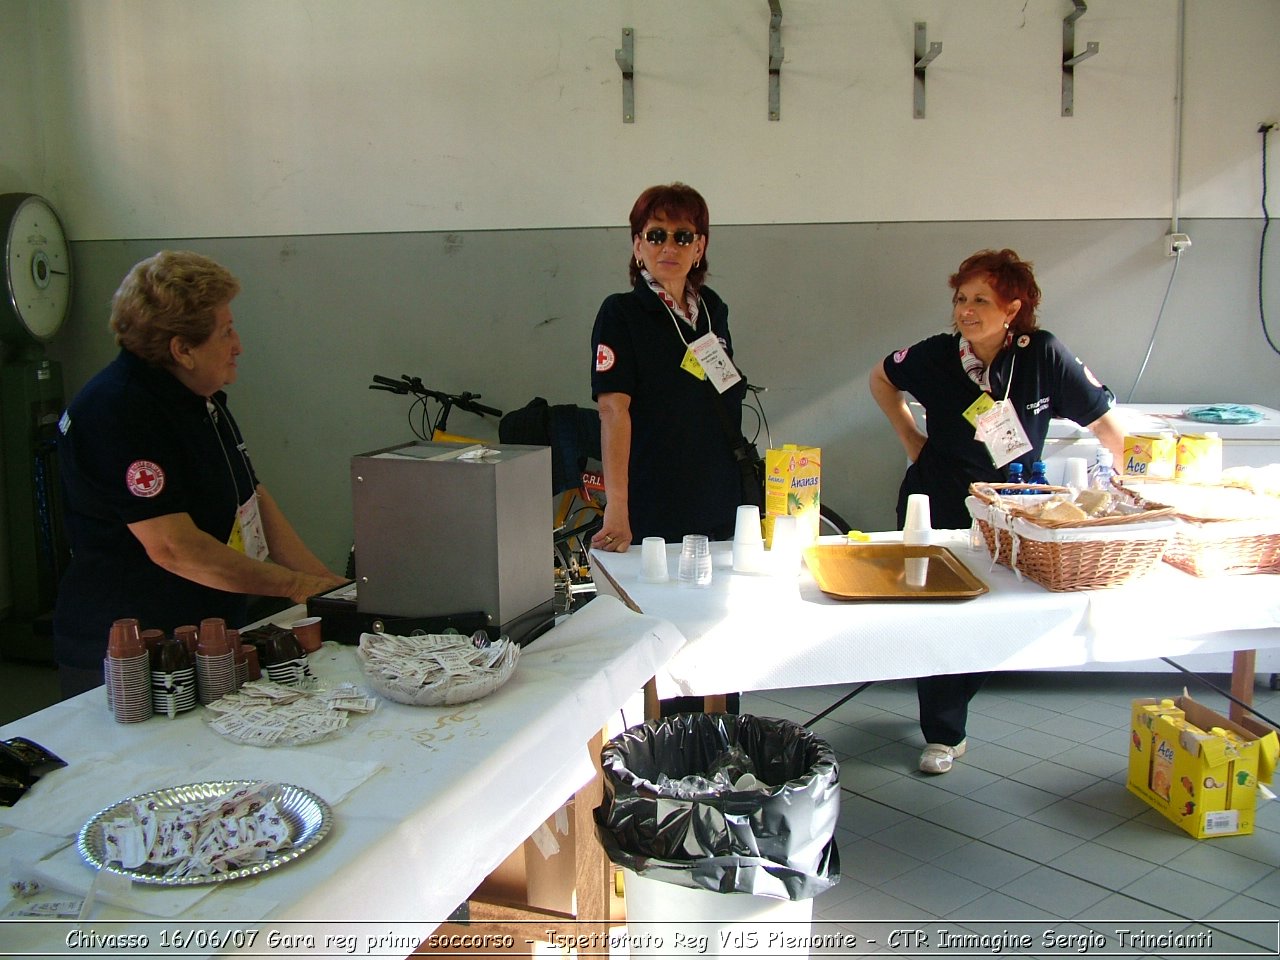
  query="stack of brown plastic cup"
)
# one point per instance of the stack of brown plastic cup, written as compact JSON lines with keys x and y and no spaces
{"x":173,"y":678}
{"x":215,"y":661}
{"x":127,"y":672}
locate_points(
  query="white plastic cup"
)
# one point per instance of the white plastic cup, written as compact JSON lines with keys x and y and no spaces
{"x":916,"y":529}
{"x":784,"y":549}
{"x":747,"y":526}
{"x":748,"y":540}
{"x":1075,"y":473}
{"x":653,"y":560}
{"x":695,"y":561}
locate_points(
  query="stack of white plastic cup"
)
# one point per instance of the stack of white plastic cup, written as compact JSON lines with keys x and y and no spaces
{"x":916,"y":532}
{"x":784,"y":548}
{"x":695,"y":561}
{"x":653,"y":560}
{"x":748,"y":541}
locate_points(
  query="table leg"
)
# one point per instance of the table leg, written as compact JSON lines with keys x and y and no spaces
{"x":1243,"y":666}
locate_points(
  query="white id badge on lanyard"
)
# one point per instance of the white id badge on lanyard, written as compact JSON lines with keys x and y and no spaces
{"x":1001,"y":431}
{"x":253,"y":540}
{"x":715,"y":362}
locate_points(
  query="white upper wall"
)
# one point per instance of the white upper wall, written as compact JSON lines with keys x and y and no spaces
{"x":190,"y":118}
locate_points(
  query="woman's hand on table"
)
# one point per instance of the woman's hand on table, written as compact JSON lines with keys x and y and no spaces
{"x":614,"y":535}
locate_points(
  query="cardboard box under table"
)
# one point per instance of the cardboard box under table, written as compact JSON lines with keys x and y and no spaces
{"x":1204,"y":782}
{"x":446,"y":528}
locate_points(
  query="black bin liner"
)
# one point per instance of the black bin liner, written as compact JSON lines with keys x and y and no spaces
{"x":778,"y":842}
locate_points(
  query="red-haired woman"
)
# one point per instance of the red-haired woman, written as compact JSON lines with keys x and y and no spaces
{"x":996,"y":368}
{"x":669,"y":394}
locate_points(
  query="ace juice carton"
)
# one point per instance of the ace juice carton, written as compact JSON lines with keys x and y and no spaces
{"x":1198,"y":768}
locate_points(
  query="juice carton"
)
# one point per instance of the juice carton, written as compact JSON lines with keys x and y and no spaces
{"x":793,"y":487}
{"x":1198,"y":768}
{"x":1151,"y":455}
{"x":1199,"y":458}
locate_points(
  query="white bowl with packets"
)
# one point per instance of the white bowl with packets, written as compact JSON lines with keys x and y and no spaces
{"x":436,"y":669}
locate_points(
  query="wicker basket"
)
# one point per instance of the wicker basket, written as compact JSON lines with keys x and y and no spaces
{"x":1209,"y":546}
{"x":1072,"y":554}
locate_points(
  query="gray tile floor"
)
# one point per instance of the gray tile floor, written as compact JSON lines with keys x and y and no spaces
{"x":1035,"y":822}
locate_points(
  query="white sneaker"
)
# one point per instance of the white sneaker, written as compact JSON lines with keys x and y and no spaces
{"x":938,"y":757}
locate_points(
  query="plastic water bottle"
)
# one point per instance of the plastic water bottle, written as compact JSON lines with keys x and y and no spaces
{"x":1103,"y":470}
{"x":1014,"y":472}
{"x":1038,"y":475}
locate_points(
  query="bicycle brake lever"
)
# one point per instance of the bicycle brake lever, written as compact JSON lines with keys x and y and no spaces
{"x":390,"y":389}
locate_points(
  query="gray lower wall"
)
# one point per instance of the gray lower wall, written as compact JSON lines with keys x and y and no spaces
{"x":508,"y":314}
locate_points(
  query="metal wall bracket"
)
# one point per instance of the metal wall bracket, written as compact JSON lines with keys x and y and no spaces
{"x":775,"y":59}
{"x":1070,"y":58}
{"x":626,"y":57}
{"x":925,"y":53}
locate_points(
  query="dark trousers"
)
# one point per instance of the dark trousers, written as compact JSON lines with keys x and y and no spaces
{"x":944,"y":705}
{"x":674,"y":705}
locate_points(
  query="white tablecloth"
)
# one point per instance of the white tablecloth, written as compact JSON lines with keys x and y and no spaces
{"x":427,"y":801}
{"x":755,"y":632}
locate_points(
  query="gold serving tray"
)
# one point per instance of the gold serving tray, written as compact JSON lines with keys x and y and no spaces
{"x":876,"y":571}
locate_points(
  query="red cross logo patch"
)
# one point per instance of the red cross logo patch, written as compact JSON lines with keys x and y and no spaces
{"x":604,"y":358}
{"x":144,"y":478}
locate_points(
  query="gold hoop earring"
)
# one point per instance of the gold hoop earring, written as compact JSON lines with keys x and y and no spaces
{"x":639,"y":262}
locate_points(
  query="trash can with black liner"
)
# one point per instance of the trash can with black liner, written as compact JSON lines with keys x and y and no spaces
{"x":726,"y":865}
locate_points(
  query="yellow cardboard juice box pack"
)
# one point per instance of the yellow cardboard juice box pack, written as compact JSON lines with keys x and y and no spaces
{"x":793,"y":487}
{"x":1198,"y":768}
{"x":1199,"y":458}
{"x":1151,"y":455}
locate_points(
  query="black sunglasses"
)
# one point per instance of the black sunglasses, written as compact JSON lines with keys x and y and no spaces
{"x":657,"y":236}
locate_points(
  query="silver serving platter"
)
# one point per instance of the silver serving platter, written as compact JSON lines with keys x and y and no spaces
{"x":309,"y":819}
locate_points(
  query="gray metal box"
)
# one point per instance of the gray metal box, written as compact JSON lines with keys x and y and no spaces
{"x":436,"y":534}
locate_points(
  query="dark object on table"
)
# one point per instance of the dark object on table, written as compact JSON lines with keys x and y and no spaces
{"x":774,"y":841}
{"x":39,"y":760}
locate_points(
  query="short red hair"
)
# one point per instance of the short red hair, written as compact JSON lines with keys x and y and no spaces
{"x":1010,"y":277}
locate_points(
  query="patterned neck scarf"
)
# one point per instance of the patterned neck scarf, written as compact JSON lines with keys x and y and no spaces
{"x":978,"y":371}
{"x":688,"y":313}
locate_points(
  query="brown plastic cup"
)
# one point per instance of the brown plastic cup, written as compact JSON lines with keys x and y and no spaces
{"x":251,"y":660}
{"x":152,"y":639}
{"x":213,"y":639}
{"x":188,"y":635}
{"x":171,"y":656}
{"x":125,"y":640}
{"x":307,"y":631}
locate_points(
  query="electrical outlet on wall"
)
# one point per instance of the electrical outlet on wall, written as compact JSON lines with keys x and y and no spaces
{"x":1176,"y":243}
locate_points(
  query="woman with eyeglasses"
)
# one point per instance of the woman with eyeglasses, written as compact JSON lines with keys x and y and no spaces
{"x":669,"y":394}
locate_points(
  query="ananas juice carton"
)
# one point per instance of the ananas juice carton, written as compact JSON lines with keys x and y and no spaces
{"x":793,"y":487}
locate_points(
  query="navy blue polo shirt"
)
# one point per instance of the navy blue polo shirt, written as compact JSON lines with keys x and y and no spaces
{"x":682,"y":476}
{"x":135,"y":444}
{"x":1047,"y":381}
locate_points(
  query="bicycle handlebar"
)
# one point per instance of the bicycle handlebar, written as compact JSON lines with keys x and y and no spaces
{"x":407,"y":384}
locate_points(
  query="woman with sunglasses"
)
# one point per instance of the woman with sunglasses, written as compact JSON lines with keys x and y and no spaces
{"x":669,"y":394}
